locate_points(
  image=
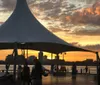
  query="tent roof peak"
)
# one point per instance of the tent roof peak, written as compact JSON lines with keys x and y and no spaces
{"x":23,"y":27}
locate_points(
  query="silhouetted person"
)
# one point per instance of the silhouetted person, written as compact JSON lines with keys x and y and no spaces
{"x":19,"y":72}
{"x":81,"y":70}
{"x":26,"y":74}
{"x":62,"y":69}
{"x":52,"y":67}
{"x":98,"y":79}
{"x":86,"y":69}
{"x":74,"y":71}
{"x":37,"y":72}
{"x":55,"y":69}
{"x":7,"y":68}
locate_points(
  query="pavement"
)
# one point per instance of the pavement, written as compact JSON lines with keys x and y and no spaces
{"x":81,"y":79}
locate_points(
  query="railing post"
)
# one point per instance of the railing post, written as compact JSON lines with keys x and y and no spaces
{"x":97,"y":57}
{"x":15,"y":55}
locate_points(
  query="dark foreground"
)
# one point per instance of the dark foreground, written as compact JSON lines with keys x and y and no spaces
{"x":83,"y":79}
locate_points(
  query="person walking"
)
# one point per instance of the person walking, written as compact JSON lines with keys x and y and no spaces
{"x":37,"y":72}
{"x":26,"y":74}
{"x":74,"y":71}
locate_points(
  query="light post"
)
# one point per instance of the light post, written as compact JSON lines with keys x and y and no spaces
{"x":63,"y":55}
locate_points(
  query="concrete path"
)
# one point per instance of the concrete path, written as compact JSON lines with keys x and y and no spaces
{"x":51,"y":80}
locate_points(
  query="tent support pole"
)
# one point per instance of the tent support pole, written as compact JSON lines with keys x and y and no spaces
{"x":15,"y":55}
{"x":57,"y":63}
{"x":97,"y":57}
{"x":51,"y":56}
{"x":27,"y":51}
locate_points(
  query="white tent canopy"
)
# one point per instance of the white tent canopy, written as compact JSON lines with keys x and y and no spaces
{"x":25,"y":30}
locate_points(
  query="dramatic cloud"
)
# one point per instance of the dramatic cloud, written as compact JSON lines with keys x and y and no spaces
{"x":89,"y":30}
{"x":8,"y":5}
{"x":55,"y":29}
{"x":75,"y":44}
{"x":89,"y":15}
{"x":50,"y":8}
{"x":95,"y":47}
{"x":92,"y":47}
{"x":72,"y":16}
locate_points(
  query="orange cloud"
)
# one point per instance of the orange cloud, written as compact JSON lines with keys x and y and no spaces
{"x":90,"y":15}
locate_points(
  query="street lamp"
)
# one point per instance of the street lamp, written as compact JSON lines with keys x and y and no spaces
{"x":63,"y":55}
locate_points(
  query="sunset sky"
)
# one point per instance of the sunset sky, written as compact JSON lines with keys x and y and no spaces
{"x":75,"y":21}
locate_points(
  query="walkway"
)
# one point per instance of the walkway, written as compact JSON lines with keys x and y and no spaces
{"x":51,"y":80}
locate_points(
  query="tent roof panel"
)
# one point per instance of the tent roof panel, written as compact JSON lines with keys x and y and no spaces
{"x":23,"y":27}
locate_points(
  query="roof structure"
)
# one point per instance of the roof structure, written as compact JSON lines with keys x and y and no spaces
{"x":25,"y":30}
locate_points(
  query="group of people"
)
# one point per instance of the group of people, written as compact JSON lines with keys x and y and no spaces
{"x":33,"y":78}
{"x":74,"y":71}
{"x":57,"y":68}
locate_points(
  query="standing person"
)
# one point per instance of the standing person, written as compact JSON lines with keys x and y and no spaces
{"x":37,"y":72}
{"x":74,"y":71}
{"x":86,"y":69}
{"x":26,"y":74}
{"x":81,"y":71}
{"x":7,"y":68}
{"x":19,"y":72}
{"x":52,"y":68}
{"x":98,"y":79}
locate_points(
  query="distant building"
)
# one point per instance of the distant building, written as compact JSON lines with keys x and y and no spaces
{"x":20,"y":59}
{"x":89,"y":61}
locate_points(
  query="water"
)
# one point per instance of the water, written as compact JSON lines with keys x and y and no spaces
{"x":66,"y":80}
{"x":91,"y":68}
